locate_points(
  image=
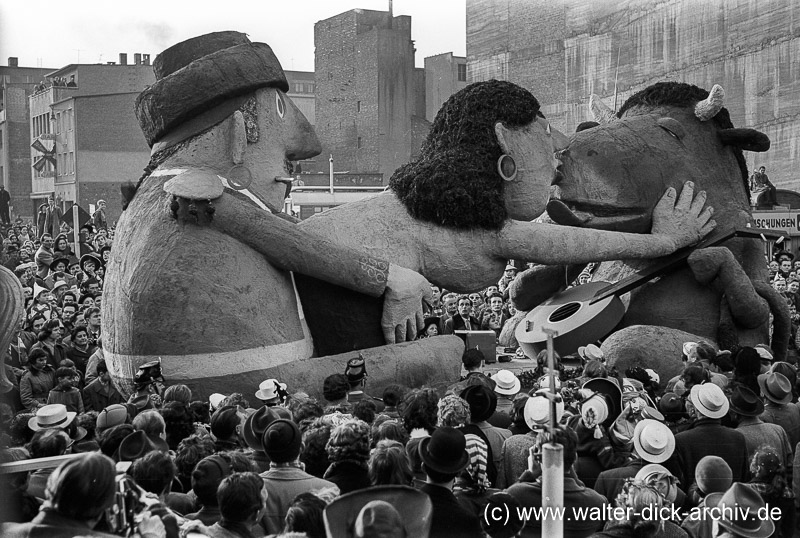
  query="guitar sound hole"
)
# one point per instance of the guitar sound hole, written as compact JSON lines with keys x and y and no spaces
{"x":563,"y":312}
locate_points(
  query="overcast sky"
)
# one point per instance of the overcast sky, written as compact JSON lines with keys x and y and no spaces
{"x":54,"y":33}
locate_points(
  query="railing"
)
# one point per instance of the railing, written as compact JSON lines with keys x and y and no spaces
{"x":35,"y":464}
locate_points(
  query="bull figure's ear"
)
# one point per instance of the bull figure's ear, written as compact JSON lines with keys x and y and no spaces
{"x":745,"y":139}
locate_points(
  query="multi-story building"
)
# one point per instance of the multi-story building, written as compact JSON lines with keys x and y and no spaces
{"x":445,"y":74}
{"x":16,"y":84}
{"x":83,"y":118}
{"x":370,"y":107}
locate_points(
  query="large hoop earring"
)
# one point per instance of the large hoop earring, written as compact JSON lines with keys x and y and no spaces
{"x":239,"y":176}
{"x":507,"y":167}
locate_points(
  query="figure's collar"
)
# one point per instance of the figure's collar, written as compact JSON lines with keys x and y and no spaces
{"x":205,"y":184}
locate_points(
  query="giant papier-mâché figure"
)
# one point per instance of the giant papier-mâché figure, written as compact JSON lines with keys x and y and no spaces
{"x":613,"y":175}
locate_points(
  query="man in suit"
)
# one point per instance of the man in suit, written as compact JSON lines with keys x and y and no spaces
{"x":462,"y":321}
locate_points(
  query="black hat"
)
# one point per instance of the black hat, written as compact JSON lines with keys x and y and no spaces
{"x":482,"y":401}
{"x":135,"y":445}
{"x":256,"y":424}
{"x":60,"y":259}
{"x":783,"y":254}
{"x":224,"y":421}
{"x":745,"y":402}
{"x":445,"y":451}
{"x":98,"y":261}
{"x":356,"y":369}
{"x":368,"y":512}
{"x":282,"y":441}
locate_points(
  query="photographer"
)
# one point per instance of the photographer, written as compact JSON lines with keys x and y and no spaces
{"x":78,"y":494}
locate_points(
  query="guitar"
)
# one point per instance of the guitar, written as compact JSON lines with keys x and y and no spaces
{"x":587,"y":313}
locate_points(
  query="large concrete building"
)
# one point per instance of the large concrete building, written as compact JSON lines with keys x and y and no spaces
{"x":16,"y":84}
{"x":563,"y":51}
{"x":91,"y":129}
{"x":445,"y":74}
{"x":370,"y":97}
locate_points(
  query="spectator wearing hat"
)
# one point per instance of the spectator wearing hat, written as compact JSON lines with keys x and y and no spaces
{"x":515,"y":449}
{"x":528,"y":491}
{"x":253,"y":430}
{"x":653,"y":442}
{"x":707,"y":404}
{"x":712,"y":478}
{"x":110,"y":416}
{"x":482,"y":404}
{"x":385,"y":511}
{"x":356,"y":373}
{"x":600,"y":407}
{"x":745,"y":502}
{"x":472,"y":360}
{"x":776,"y":389}
{"x":227,"y":425}
{"x":745,"y":410}
{"x":334,"y":390}
{"x":57,"y":416}
{"x":271,"y":392}
{"x":348,"y":452}
{"x":101,"y":392}
{"x":507,"y":386}
{"x":286,"y":477}
{"x":64,"y":393}
{"x":444,"y":455}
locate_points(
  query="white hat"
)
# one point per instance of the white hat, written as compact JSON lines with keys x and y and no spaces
{"x":59,"y":284}
{"x":537,"y":409}
{"x":38,"y":290}
{"x":709,"y":400}
{"x":591,"y":353}
{"x":651,"y":469}
{"x":594,"y":410}
{"x":51,"y":416}
{"x":268,"y":389}
{"x":511,"y":266}
{"x":764,"y":352}
{"x":215,"y":399}
{"x":653,"y":440}
{"x":506,"y":383}
{"x":654,"y":377}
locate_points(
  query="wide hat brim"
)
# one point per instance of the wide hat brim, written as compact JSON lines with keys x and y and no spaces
{"x":34,"y":425}
{"x":754,"y":413}
{"x":441,"y":466}
{"x":645,"y":453}
{"x":93,"y":257}
{"x":415,"y":509}
{"x":762,"y":383}
{"x":514,"y":389}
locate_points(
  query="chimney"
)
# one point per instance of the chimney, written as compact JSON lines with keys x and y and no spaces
{"x":145,"y":59}
{"x":123,"y":58}
{"x":137,"y":58}
{"x":13,"y":61}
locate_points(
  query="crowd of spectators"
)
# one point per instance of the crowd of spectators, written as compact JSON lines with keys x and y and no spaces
{"x":411,"y":462}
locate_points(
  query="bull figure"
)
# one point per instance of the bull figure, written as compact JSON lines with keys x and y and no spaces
{"x":613,"y":175}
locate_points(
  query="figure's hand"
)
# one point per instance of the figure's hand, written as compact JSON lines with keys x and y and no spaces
{"x":151,"y":527}
{"x":684,"y":222}
{"x":402,"y":304}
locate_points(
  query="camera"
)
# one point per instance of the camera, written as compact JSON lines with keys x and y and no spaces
{"x":130,"y":504}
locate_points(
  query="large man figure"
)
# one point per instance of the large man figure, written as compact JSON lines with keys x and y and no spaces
{"x":202,"y":276}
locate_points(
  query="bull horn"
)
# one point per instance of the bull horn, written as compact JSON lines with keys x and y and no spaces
{"x":743,"y":138}
{"x":711,"y":105}
{"x":602,"y":114}
{"x":10,"y":313}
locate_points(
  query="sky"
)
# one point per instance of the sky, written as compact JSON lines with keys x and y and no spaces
{"x":55,"y":33}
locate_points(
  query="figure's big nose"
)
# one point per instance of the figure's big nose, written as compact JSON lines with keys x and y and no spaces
{"x":302,"y":141}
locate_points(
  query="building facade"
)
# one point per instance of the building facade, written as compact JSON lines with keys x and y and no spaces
{"x":84,"y":118}
{"x":16,"y":85}
{"x":445,"y":74}
{"x":566,"y":50}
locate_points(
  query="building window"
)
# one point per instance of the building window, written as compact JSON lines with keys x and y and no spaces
{"x":71,"y":162}
{"x":358,"y":106}
{"x":298,"y":87}
{"x":1,"y":139}
{"x":310,"y":87}
{"x":462,"y":72}
{"x":359,"y":142}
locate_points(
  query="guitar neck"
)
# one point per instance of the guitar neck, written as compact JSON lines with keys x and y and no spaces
{"x":675,"y":261}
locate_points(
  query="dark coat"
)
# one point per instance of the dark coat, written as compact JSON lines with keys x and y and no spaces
{"x":97,"y":397}
{"x":708,"y":437}
{"x":348,"y":475}
{"x":450,"y":517}
{"x":609,"y":483}
{"x":456,"y":323}
{"x":49,"y":524}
